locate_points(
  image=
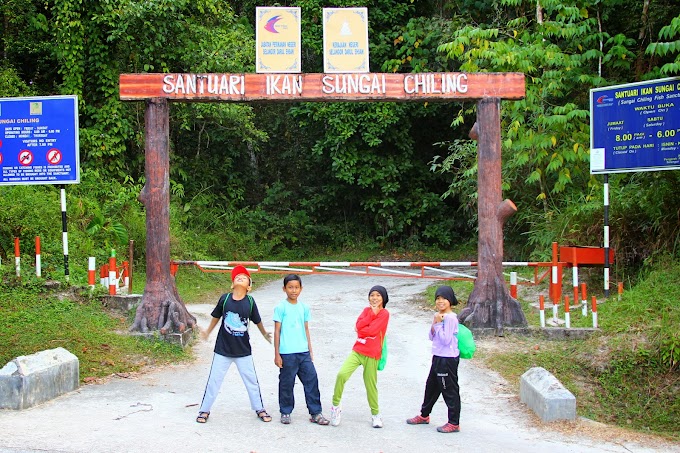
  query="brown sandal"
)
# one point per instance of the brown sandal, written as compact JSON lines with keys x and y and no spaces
{"x":202,"y":417}
{"x":264,"y":416}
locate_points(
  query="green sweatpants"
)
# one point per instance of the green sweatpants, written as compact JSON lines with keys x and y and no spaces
{"x":370,"y":379}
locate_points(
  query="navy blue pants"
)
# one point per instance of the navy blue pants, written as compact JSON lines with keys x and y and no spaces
{"x":443,"y":380}
{"x":300,"y":365}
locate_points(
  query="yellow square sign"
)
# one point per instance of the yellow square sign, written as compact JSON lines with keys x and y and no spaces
{"x":345,"y":40}
{"x":278,"y":42}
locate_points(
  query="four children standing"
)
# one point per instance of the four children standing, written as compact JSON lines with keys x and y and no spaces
{"x":294,"y":356}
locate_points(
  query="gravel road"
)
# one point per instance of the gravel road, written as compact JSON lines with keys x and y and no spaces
{"x":155,"y":411}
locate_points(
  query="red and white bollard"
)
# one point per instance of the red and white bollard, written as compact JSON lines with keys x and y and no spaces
{"x":584,"y":300}
{"x":567,"y":315}
{"x":555,"y":282}
{"x":513,"y":285}
{"x":104,"y":275}
{"x":126,"y":277}
{"x":91,"y":269}
{"x":574,"y":275}
{"x":38,"y":271}
{"x":112,"y":274}
{"x":541,"y":306}
{"x":17,"y":257}
{"x":594,"y":310}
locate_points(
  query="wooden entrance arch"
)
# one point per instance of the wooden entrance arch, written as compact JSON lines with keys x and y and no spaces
{"x":489,"y":305}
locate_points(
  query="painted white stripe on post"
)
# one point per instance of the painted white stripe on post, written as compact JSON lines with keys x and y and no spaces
{"x":64,"y":234}
{"x":442,"y":271}
{"x":288,"y":269}
{"x":513,"y":284}
{"x":91,"y":269}
{"x":606,"y":279}
{"x":346,"y":271}
{"x":393,"y":271}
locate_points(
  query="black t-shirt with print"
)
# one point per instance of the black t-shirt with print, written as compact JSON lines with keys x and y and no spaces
{"x":232,"y":338}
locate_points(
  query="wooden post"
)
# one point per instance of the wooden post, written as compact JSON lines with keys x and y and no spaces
{"x":161,"y":307}
{"x":490,"y":303}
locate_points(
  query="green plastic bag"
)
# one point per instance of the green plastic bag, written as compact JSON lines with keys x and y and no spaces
{"x":466,"y":343}
{"x":383,"y":357}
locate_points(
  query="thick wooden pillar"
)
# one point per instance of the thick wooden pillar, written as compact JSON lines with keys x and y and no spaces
{"x":161,"y":307}
{"x":490,"y":303}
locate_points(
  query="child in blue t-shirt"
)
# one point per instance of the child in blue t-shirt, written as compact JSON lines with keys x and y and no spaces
{"x":293,"y":353}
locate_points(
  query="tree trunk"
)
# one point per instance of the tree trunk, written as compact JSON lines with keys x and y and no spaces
{"x":161,"y":307}
{"x":490,"y":303}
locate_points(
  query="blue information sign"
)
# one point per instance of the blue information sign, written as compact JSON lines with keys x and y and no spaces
{"x":39,"y":140}
{"x":635,"y":127}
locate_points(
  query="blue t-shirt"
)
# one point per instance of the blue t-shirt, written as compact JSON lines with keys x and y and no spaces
{"x":293,"y":337}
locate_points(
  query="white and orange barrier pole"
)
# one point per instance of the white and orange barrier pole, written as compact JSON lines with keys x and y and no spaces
{"x":104,"y":275}
{"x":17,"y":257}
{"x":91,"y":270}
{"x":567,"y":315}
{"x":555,"y":292}
{"x":513,"y":285}
{"x":541,"y":306}
{"x":594,"y":310}
{"x":620,"y":288}
{"x":126,"y":277}
{"x":112,"y":273}
{"x":574,"y":274}
{"x":584,"y":300}
{"x":38,"y":271}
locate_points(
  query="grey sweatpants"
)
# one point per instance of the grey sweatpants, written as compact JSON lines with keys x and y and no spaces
{"x":218,"y":370}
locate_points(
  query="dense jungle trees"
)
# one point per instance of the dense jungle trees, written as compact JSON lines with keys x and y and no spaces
{"x":263,"y":179}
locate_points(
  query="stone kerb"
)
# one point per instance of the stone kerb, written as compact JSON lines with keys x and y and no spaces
{"x":33,"y":379}
{"x":546,"y":396}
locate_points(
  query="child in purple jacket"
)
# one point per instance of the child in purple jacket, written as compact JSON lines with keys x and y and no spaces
{"x":443,"y":377}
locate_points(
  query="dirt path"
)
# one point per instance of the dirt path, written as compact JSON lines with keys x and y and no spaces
{"x":155,"y":412}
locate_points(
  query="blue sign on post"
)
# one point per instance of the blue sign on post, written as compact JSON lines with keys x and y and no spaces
{"x":635,"y":127}
{"x":39,"y":140}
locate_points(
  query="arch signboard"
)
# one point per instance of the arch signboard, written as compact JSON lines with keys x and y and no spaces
{"x":431,"y":87}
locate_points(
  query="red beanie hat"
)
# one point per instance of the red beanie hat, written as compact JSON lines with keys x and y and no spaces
{"x":239,"y":270}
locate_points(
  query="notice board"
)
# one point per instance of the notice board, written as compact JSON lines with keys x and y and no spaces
{"x":635,"y":127}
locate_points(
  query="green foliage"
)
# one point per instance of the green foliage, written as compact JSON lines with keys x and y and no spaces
{"x":30,"y":211}
{"x":545,"y":140}
{"x":32,"y":320}
{"x":11,"y":85}
{"x":669,"y":46}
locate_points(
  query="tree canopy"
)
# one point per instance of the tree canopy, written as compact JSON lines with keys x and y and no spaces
{"x":262,"y":179}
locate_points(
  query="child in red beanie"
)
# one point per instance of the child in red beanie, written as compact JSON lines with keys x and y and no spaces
{"x":236,"y":309}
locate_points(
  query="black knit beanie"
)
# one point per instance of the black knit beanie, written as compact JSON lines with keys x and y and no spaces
{"x":447,"y":293}
{"x":382,"y":291}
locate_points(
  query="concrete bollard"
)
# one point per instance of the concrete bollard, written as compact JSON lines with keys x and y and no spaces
{"x":33,"y":379}
{"x":546,"y":396}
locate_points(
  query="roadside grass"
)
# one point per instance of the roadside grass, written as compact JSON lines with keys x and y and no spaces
{"x":32,"y":320}
{"x":627,"y":375}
